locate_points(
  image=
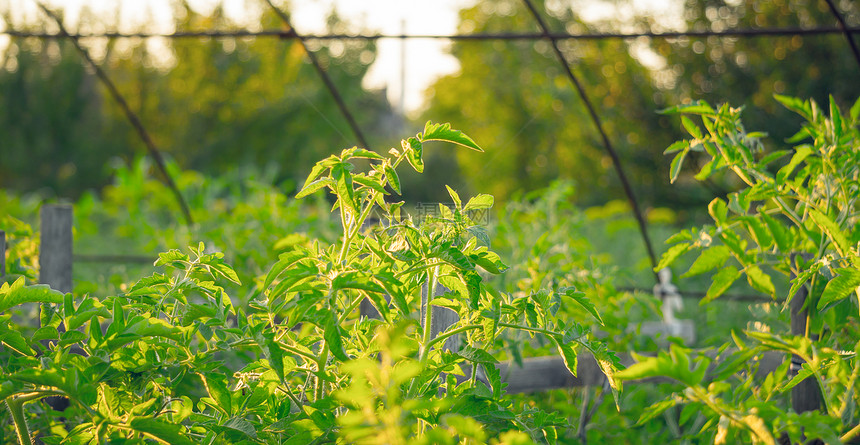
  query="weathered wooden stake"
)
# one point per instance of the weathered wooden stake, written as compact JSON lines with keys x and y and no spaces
{"x":806,"y":396}
{"x":55,"y":251}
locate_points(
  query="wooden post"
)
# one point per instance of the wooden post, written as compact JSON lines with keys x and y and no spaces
{"x":55,"y":262}
{"x":806,"y":396}
{"x":55,"y":252}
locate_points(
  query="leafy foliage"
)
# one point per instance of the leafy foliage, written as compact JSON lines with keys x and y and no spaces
{"x":798,"y":219}
{"x":174,"y":359}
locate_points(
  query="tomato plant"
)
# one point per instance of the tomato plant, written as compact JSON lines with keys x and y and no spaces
{"x":172,"y":359}
{"x":792,"y":221}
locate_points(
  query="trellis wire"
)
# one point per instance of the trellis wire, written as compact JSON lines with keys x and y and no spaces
{"x":607,"y":144}
{"x":844,"y":28}
{"x":330,"y":86}
{"x":130,"y":115}
{"x":545,"y":34}
{"x":291,"y":34}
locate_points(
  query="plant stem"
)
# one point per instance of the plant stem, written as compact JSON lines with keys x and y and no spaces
{"x":16,"y":409}
{"x":428,"y":314}
{"x":852,"y":433}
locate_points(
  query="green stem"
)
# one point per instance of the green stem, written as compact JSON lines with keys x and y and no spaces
{"x":16,"y":409}
{"x":445,"y":335}
{"x":318,"y":389}
{"x":852,"y":433}
{"x":428,"y":314}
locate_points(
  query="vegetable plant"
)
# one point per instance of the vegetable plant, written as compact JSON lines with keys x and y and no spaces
{"x":172,"y":359}
{"x":792,"y":232}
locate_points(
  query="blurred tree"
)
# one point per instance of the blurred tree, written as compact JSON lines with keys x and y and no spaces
{"x":219,"y":104}
{"x":515,"y":99}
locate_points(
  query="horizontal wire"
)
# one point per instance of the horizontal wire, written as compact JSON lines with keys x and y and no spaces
{"x":290,"y":34}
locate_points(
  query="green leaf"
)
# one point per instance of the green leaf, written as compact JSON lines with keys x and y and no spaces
{"x":17,"y":293}
{"x":583,"y":301}
{"x":568,"y":354}
{"x":721,"y":282}
{"x":709,"y":259}
{"x":832,"y":230}
{"x":216,"y":386}
{"x":370,"y":182}
{"x":677,"y":146}
{"x":285,"y":260}
{"x":677,"y":163}
{"x":334,"y":338}
{"x":691,"y":128}
{"x":241,"y":425}
{"x":364,"y":153}
{"x":855,"y":112}
{"x":172,"y":257}
{"x":759,"y":280}
{"x":794,"y":104}
{"x":356,"y":280}
{"x":163,"y":431}
{"x":645,"y":367}
{"x":698,"y":107}
{"x":444,"y":132}
{"x":15,"y":341}
{"x":391,"y":176}
{"x":476,"y":355}
{"x":839,"y":287}
{"x":802,"y":153}
{"x":224,"y":270}
{"x":718,"y":211}
{"x":414,"y":153}
{"x":458,"y":204}
{"x":479,"y":202}
{"x":314,"y":186}
{"x":671,"y":255}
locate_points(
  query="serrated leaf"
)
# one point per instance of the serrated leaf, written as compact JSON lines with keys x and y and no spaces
{"x":677,"y":146}
{"x":356,"y":280}
{"x":799,"y":156}
{"x":364,"y":153}
{"x":832,"y":230}
{"x":568,"y":354}
{"x":165,"y":432}
{"x":476,"y":355}
{"x":698,"y":107}
{"x":391,"y":176}
{"x":479,"y":202}
{"x":583,"y":301}
{"x":314,"y":186}
{"x":691,"y":128}
{"x":721,"y":282}
{"x":241,"y":425}
{"x":709,"y":259}
{"x":759,"y":280}
{"x":334,"y":339}
{"x":173,"y":258}
{"x":17,"y":293}
{"x":794,"y":104}
{"x":414,"y":153}
{"x":677,"y":163}
{"x":444,"y":132}
{"x":718,"y":210}
{"x":855,"y":112}
{"x":839,"y":287}
{"x":370,"y":182}
{"x":285,"y":260}
{"x":458,"y":204}
{"x":216,"y":386}
{"x":671,"y":255}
